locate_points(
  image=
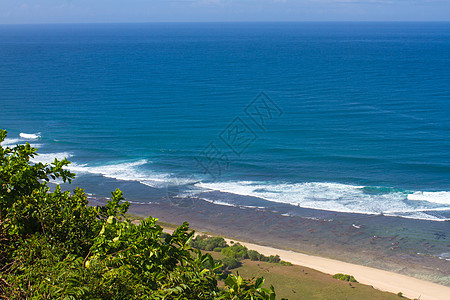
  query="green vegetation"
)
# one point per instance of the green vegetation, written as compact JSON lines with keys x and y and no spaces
{"x":54,"y":246}
{"x":230,"y":263}
{"x":234,"y":253}
{"x":207,"y":243}
{"x":344,"y":277}
{"x":301,"y":283}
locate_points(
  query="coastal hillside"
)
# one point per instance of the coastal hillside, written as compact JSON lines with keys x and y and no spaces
{"x":54,"y":245}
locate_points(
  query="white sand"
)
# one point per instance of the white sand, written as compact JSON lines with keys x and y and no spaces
{"x":379,"y":279}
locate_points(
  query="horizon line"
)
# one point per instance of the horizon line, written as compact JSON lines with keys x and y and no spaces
{"x":228,"y":22}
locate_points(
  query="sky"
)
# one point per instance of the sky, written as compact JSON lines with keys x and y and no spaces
{"x":118,"y":11}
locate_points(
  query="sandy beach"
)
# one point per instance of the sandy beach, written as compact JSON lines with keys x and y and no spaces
{"x":358,"y":254}
{"x":318,"y":131}
{"x":383,"y":280}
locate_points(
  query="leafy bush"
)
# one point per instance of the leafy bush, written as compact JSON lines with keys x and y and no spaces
{"x":230,"y":263}
{"x":244,"y":289}
{"x":235,"y":251}
{"x":204,"y":242}
{"x":264,"y":258}
{"x":54,"y":246}
{"x":344,"y":277}
{"x":274,"y":259}
{"x":254,"y":255}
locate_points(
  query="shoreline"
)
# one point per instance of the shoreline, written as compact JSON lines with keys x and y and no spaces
{"x":382,"y":280}
{"x":328,"y":242}
{"x":379,"y":279}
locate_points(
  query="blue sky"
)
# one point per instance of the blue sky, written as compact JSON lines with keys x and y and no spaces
{"x":104,"y":11}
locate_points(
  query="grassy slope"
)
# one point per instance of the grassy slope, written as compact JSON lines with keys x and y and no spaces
{"x":297,"y":282}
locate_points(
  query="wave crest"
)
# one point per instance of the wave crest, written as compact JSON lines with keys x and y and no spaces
{"x":336,"y":197}
{"x":126,"y":171}
{"x":433,"y":197}
{"x":47,"y":158}
{"x":30,"y":136}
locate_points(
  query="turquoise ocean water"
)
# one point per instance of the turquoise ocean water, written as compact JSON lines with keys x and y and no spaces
{"x":349,"y":117}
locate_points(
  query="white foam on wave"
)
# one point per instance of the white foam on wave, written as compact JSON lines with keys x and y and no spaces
{"x":434,"y":197}
{"x":126,"y":171}
{"x":23,"y":138}
{"x":445,"y":255}
{"x":415,"y":215}
{"x":30,"y":136}
{"x":10,"y":142}
{"x":47,"y":158}
{"x":218,"y":202}
{"x":327,"y":196}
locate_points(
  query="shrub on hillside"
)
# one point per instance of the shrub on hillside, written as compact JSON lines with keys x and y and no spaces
{"x":204,"y":242}
{"x":54,"y":246}
{"x":344,"y":277}
{"x":230,"y":263}
{"x":236,"y":251}
{"x":254,"y":255}
{"x":274,"y":259}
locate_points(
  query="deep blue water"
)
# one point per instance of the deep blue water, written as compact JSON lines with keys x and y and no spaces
{"x":358,"y":117}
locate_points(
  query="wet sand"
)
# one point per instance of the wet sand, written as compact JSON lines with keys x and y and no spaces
{"x":335,"y":242}
{"x":382,"y":280}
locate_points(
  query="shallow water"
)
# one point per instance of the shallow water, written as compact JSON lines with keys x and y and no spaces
{"x":355,"y":117}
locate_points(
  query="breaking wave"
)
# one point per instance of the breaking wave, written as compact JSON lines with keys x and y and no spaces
{"x":341,"y":197}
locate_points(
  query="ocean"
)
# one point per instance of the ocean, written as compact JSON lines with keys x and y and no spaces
{"x":344,"y":117}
